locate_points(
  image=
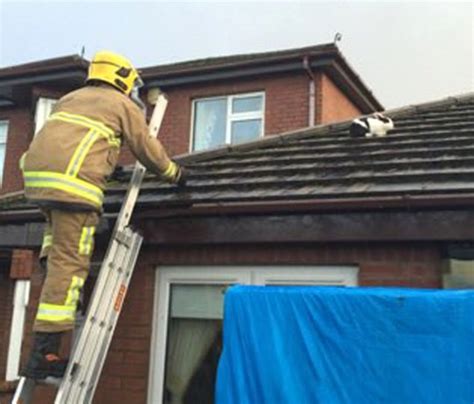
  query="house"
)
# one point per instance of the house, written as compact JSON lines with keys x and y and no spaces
{"x":312,"y":206}
{"x":215,"y":101}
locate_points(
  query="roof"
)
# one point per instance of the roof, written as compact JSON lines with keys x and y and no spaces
{"x":430,"y":153}
{"x":43,"y":66}
{"x":324,"y":56}
{"x":72,"y":69}
{"x":67,"y":71}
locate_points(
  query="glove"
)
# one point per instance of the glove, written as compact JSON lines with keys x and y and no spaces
{"x":181,"y":177}
{"x":119,"y":174}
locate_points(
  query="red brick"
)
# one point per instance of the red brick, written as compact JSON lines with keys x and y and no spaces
{"x":22,"y":264}
{"x":20,"y":133}
{"x":334,"y":105}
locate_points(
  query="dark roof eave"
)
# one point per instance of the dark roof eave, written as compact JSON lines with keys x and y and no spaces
{"x":43,"y":77}
{"x":364,"y":100}
{"x":219,"y":74}
{"x":63,"y":68}
{"x":237,"y":61}
{"x":315,"y":205}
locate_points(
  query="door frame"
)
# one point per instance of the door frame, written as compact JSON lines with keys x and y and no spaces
{"x":165,"y":276}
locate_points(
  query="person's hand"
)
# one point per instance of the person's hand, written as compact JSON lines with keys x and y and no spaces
{"x":181,"y":177}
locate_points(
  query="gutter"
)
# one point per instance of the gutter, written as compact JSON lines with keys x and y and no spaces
{"x":311,"y":91}
{"x":275,"y":206}
{"x":313,"y":205}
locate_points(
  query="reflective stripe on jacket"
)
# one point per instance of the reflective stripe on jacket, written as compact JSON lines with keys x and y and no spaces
{"x":71,"y":157}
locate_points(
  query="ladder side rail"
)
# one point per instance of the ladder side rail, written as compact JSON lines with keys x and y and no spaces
{"x":91,"y":326}
{"x":139,"y":171}
{"x":115,"y":314}
{"x":99,"y":290}
{"x":100,"y":332}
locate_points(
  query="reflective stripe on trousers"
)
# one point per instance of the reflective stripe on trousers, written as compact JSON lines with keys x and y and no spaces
{"x":86,"y":241}
{"x":62,"y":312}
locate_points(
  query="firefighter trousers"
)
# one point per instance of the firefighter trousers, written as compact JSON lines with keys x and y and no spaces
{"x":68,"y":244}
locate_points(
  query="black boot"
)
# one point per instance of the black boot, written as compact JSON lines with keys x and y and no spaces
{"x":44,"y":360}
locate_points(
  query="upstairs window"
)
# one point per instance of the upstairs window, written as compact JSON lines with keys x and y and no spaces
{"x":230,"y":119}
{"x":3,"y":147}
{"x":44,"y":107}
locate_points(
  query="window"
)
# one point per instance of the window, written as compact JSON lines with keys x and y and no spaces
{"x":44,"y":106}
{"x":227,"y":120}
{"x":3,"y":146}
{"x":458,"y":274}
{"x":187,"y":326}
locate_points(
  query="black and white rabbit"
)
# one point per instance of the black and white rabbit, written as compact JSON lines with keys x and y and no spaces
{"x":375,"y":125}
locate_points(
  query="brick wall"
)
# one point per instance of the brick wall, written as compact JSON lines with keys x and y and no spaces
{"x":125,"y":375}
{"x":20,"y":133}
{"x":285,"y":97}
{"x":333,"y":104}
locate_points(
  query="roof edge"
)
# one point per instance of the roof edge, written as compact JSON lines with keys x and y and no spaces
{"x":217,"y":62}
{"x":33,"y":68}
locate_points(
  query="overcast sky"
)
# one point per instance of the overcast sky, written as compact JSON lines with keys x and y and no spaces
{"x":405,"y":51}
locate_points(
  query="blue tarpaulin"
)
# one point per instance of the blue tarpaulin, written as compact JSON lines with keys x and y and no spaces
{"x":346,"y":345}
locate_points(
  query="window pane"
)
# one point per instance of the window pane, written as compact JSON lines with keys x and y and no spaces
{"x":3,"y":147}
{"x":209,"y":123}
{"x":194,"y":343}
{"x":44,"y":107}
{"x":244,"y":131}
{"x":3,"y":132}
{"x":197,"y":301}
{"x":247,"y":104}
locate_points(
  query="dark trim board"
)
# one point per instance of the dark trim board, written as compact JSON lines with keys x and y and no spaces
{"x":436,"y":225}
{"x":21,"y":235}
{"x":446,"y":225}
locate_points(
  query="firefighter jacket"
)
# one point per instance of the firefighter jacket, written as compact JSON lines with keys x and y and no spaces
{"x":71,"y":157}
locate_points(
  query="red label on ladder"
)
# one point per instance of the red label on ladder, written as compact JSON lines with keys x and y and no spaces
{"x":120,"y":297}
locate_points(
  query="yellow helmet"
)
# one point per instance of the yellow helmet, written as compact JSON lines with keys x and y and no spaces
{"x":115,"y":70}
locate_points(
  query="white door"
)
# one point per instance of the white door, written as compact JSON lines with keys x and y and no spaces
{"x":187,"y":323}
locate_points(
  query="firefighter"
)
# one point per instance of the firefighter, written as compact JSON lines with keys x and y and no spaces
{"x":65,"y":171}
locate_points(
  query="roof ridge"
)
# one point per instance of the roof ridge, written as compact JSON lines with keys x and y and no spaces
{"x":322,"y":129}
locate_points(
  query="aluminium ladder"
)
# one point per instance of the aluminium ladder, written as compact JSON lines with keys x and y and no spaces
{"x":90,"y":349}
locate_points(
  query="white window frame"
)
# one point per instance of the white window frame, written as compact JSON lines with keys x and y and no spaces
{"x":2,"y":168}
{"x":20,"y":303}
{"x":44,"y":106}
{"x":166,"y":276}
{"x":230,"y":117}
